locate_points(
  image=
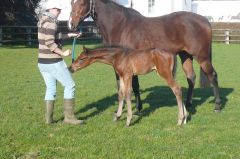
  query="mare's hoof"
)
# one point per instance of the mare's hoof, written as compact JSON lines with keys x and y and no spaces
{"x":139,"y":109}
{"x":137,"y":114}
{"x":138,"y":104}
{"x":217,"y":108}
{"x":188,"y":104}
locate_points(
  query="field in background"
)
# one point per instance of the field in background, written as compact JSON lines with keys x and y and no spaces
{"x":154,"y":134}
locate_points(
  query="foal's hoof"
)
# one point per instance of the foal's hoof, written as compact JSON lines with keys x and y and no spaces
{"x":128,"y":124}
{"x":182,"y":121}
{"x":115,"y":117}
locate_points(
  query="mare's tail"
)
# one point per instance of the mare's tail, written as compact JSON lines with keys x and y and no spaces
{"x":204,"y":82}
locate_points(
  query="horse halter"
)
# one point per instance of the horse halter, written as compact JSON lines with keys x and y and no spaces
{"x":91,"y":12}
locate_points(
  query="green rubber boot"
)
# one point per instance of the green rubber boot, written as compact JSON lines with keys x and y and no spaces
{"x":69,"y":116}
{"x":49,"y":111}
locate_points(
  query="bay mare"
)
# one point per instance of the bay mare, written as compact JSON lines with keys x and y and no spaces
{"x":184,"y":33}
{"x":129,"y":62}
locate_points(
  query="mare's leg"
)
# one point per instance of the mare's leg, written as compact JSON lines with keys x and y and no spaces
{"x":208,"y":69}
{"x":135,"y":86}
{"x":187,"y":64}
{"x":120,"y":100}
{"x":118,"y":80}
{"x":165,"y":71}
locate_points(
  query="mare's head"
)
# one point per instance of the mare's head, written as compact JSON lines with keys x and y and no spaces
{"x":81,"y":9}
{"x":82,"y":61}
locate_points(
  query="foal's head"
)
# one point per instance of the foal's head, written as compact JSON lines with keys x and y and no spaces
{"x":80,"y":10}
{"x":83,"y":60}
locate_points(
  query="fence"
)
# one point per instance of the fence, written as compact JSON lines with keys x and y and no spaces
{"x":226,"y":35}
{"x":28,"y":34}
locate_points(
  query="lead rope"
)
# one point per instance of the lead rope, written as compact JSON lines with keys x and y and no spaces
{"x":73,"y":46}
{"x":73,"y":49}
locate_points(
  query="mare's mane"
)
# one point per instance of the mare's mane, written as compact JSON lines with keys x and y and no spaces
{"x":127,"y":11}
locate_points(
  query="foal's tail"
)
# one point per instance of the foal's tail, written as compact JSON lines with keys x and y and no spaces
{"x":204,"y":82}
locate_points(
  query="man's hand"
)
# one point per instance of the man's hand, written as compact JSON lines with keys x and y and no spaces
{"x":66,"y":53}
{"x":74,"y":35}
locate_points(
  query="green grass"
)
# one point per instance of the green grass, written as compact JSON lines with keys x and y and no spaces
{"x":154,"y":134}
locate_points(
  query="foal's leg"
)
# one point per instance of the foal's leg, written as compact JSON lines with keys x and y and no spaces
{"x":127,"y":92}
{"x":187,"y":64}
{"x":135,"y":87}
{"x":182,"y":112}
{"x":120,"y":100}
{"x":166,"y":73}
{"x":208,"y":69}
{"x":124,"y":92}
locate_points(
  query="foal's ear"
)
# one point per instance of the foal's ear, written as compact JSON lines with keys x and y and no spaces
{"x":85,"y":49}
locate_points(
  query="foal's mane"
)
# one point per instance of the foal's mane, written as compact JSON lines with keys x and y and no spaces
{"x":108,"y":48}
{"x":105,"y":50}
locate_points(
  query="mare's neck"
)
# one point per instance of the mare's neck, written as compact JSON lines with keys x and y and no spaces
{"x":110,"y":17}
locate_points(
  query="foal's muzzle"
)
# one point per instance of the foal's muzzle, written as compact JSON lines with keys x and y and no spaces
{"x":71,"y":69}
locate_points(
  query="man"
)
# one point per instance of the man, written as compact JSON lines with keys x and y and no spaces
{"x":52,"y":65}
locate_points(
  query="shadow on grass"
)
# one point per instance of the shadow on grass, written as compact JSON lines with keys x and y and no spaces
{"x":99,"y":106}
{"x":162,"y":96}
{"x":159,"y":96}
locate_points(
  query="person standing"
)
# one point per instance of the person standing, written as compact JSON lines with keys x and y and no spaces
{"x":51,"y":64}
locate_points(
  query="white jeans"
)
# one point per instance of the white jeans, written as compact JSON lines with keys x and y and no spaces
{"x":57,"y":72}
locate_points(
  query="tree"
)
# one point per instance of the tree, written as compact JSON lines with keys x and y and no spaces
{"x":18,"y":12}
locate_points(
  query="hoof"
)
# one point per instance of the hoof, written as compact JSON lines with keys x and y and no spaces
{"x":139,"y":109}
{"x":182,"y":121}
{"x":138,"y":104}
{"x":128,"y":124}
{"x":188,"y":105}
{"x":137,"y":114}
{"x":217,"y":108}
{"x":115,"y":117}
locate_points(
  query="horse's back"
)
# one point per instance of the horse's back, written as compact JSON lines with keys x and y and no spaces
{"x":174,"y":32}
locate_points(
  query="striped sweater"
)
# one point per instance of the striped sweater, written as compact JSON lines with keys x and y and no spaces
{"x":49,"y":39}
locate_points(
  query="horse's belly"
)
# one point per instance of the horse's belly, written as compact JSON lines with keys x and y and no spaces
{"x":142,"y":69}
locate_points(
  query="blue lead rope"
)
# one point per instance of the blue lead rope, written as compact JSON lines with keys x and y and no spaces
{"x":73,"y":49}
{"x":73,"y":46}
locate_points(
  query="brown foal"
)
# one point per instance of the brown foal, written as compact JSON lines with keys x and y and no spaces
{"x":129,"y":62}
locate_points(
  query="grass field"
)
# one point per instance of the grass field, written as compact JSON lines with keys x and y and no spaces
{"x":154,"y":134}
